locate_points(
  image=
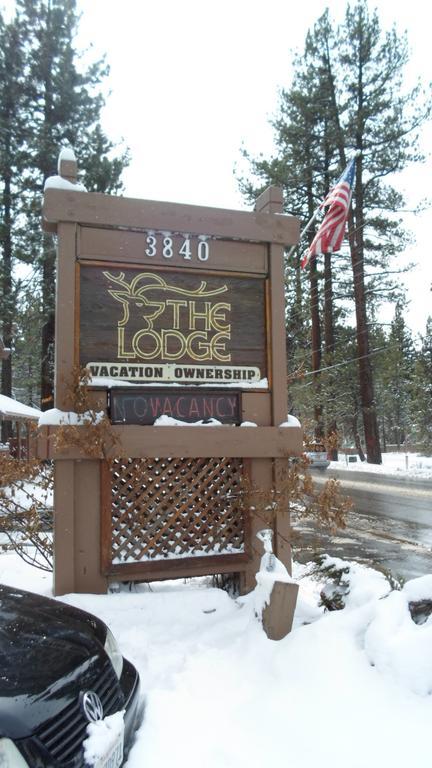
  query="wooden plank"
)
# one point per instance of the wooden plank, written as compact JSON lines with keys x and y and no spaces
{"x":105,"y":516}
{"x":271,"y":201}
{"x":256,"y":407}
{"x":183,"y":567}
{"x":122,"y":246}
{"x":65,"y":315}
{"x":64,"y":527}
{"x":88,"y":576}
{"x":197,"y":442}
{"x":94,"y":209}
{"x":278,"y":363}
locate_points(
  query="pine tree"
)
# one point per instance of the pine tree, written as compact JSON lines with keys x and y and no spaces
{"x":397,"y":363}
{"x":422,"y":400}
{"x":12,"y":163}
{"x":27,"y":344}
{"x":359,"y":104}
{"x":64,"y":109}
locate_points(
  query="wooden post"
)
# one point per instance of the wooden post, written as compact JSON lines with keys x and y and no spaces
{"x":67,"y":167}
{"x":278,"y":615}
{"x":271,"y":201}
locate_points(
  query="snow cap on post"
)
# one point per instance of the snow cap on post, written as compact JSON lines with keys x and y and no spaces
{"x":67,"y":164}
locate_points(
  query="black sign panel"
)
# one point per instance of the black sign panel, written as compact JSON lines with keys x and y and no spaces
{"x":167,"y":326}
{"x":133,"y":405}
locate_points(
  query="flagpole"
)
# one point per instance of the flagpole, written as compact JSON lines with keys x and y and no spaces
{"x":357,"y":153}
{"x":303,"y":232}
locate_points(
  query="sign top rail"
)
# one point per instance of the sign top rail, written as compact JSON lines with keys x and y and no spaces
{"x":106,"y":211}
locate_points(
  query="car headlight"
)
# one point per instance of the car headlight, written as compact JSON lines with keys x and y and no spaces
{"x":114,"y":653}
{"x":9,"y":755}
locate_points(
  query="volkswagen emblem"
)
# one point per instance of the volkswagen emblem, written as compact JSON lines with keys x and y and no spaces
{"x":92,"y":706}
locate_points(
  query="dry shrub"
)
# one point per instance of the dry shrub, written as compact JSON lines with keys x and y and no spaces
{"x":94,"y":436}
{"x":295,"y":492}
{"x":26,"y":514}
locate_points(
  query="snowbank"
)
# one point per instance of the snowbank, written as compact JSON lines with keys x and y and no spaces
{"x":348,"y":688}
{"x":55,"y":417}
{"x":401,"y":464}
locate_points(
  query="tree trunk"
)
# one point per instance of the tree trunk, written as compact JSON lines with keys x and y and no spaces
{"x":7,"y":299}
{"x":329,"y":346}
{"x":355,"y":237}
{"x":316,"y":349}
{"x":367,"y":399}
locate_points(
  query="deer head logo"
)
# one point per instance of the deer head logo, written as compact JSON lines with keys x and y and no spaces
{"x":147,"y":293}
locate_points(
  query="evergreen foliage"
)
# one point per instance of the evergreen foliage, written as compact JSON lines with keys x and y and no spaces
{"x":346,"y":94}
{"x":422,"y":402}
{"x":49,"y":98}
{"x":396,"y":380}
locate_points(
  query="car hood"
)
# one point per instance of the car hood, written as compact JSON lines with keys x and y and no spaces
{"x":45,"y":646}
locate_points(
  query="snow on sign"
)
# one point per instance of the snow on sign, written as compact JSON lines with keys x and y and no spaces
{"x":157,"y":326}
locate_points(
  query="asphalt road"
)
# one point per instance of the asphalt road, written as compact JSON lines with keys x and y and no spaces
{"x":390,"y":526}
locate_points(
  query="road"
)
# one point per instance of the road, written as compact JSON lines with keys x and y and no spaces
{"x":390,"y":526}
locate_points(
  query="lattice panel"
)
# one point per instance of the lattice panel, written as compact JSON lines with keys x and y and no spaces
{"x":170,"y":508}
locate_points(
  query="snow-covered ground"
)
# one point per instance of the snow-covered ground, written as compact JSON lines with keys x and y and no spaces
{"x":349,"y":688}
{"x":402,"y":464}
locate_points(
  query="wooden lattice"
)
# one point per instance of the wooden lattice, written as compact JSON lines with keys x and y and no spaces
{"x":172,"y":508}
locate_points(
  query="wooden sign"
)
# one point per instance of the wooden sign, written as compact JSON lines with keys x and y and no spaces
{"x":143,"y":406}
{"x":172,"y":325}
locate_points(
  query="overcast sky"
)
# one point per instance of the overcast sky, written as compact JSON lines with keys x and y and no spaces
{"x":192,"y":81}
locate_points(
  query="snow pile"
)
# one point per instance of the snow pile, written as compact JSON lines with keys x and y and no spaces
{"x":344,"y":688}
{"x":271,"y":570}
{"x":291,"y":421}
{"x":58,"y":182}
{"x":169,"y":421}
{"x":55,"y":417}
{"x":102,"y":737}
{"x":356,"y":583}
{"x":401,"y":464}
{"x":108,"y":382}
{"x":396,"y":645}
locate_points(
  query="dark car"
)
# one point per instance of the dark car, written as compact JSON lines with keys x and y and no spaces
{"x":60,"y":669}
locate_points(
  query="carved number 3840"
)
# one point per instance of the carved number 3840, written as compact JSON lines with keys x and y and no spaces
{"x":168,"y":250}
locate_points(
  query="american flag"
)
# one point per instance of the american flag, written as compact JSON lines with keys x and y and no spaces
{"x":330,"y":233}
